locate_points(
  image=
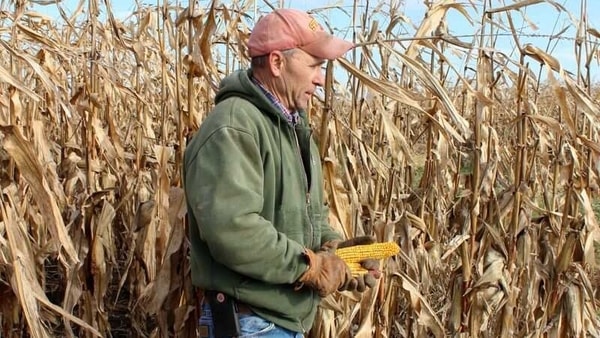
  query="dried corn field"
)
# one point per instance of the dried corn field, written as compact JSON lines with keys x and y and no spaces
{"x":487,"y":177}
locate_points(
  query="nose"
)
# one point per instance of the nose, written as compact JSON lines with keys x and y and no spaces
{"x":320,"y":78}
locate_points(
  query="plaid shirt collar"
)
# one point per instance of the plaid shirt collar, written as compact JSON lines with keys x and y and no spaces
{"x":290,"y":117}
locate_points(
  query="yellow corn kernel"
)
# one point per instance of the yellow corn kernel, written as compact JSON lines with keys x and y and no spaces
{"x":358,"y":253}
{"x":356,"y":269}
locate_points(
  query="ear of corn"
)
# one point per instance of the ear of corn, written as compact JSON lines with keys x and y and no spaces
{"x":357,"y":269}
{"x":353,"y":255}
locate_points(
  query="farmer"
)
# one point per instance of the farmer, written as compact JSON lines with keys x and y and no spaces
{"x":262,"y":250}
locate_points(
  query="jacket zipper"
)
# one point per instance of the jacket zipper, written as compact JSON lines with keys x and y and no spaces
{"x":305,"y":179}
{"x":307,"y":195}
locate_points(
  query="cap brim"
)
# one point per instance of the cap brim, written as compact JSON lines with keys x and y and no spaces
{"x":328,"y":47}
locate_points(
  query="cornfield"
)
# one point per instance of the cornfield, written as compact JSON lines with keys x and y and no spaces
{"x":487,"y":177}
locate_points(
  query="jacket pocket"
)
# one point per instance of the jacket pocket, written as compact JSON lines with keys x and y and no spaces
{"x":254,"y":326}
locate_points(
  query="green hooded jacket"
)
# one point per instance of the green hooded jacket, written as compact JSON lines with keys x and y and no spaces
{"x":254,"y":192}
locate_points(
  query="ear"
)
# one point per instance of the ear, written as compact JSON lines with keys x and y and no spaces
{"x":276,"y":62}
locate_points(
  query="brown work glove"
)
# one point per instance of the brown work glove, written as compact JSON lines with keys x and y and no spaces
{"x":362,"y":282}
{"x":326,"y":272}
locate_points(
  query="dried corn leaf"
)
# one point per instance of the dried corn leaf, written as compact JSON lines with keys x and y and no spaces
{"x":425,"y":314}
{"x":592,"y":145}
{"x":416,"y":221}
{"x":339,"y":206}
{"x":106,"y":144}
{"x":456,"y":305}
{"x":67,"y":315}
{"x":574,"y":308}
{"x":542,"y":57}
{"x":588,"y":212}
{"x":148,"y":23}
{"x":367,"y":326}
{"x":549,"y":122}
{"x":594,"y":32}
{"x":102,"y":251}
{"x":6,"y":77}
{"x":16,"y":107}
{"x":33,"y":63}
{"x":163,"y":185}
{"x":493,"y":274}
{"x":515,"y":6}
{"x":400,"y":148}
{"x":382,"y":87}
{"x":561,"y":97}
{"x":507,"y":326}
{"x":37,"y":37}
{"x":435,"y":15}
{"x":22,"y":153}
{"x":592,"y":249}
{"x":441,"y":93}
{"x":205,"y":43}
{"x":565,"y":258}
{"x":584,"y":101}
{"x":46,"y":156}
{"x":23,"y":280}
{"x":454,"y":244}
{"x":154,"y":296}
{"x":327,"y":326}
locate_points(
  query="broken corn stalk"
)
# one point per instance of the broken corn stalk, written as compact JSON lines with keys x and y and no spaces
{"x":353,"y":255}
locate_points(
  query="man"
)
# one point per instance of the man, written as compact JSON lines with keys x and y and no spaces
{"x":261,"y":247}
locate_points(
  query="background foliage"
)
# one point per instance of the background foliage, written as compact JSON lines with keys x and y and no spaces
{"x":486,"y":176}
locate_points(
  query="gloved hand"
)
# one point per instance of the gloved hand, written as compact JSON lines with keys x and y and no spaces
{"x":326,"y":272}
{"x":362,"y":282}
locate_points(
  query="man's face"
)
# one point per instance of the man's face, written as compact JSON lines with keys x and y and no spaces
{"x":300,"y":75}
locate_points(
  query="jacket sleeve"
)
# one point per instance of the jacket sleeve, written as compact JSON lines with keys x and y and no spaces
{"x":224,"y":182}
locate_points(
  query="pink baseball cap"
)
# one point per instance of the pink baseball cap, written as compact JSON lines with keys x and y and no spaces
{"x":290,"y":28}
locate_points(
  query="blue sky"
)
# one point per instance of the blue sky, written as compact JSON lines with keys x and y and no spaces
{"x":541,"y":19}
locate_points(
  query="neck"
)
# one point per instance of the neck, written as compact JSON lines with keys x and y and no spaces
{"x":270,"y":84}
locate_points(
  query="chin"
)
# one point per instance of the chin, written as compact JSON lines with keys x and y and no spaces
{"x":302,"y":106}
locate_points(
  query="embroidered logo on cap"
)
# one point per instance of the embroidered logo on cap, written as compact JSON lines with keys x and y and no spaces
{"x":314,"y":25}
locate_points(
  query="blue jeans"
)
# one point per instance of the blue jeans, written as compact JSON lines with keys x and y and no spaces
{"x":251,"y":326}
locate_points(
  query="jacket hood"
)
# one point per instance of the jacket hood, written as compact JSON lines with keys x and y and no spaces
{"x":239,"y":84}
